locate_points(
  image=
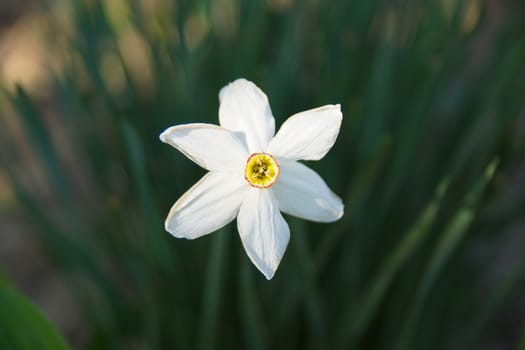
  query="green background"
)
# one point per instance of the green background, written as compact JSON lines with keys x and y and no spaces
{"x":429,"y":163}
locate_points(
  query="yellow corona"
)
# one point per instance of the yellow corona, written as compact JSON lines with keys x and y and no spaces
{"x":262,"y":170}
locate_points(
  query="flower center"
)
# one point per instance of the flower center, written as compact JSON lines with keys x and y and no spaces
{"x":262,"y":170}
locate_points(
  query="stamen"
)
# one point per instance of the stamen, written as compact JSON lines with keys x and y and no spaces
{"x":262,"y":170}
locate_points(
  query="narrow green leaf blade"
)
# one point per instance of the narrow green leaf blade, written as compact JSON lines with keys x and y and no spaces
{"x":358,"y":316}
{"x":452,"y":235}
{"x":23,"y":327}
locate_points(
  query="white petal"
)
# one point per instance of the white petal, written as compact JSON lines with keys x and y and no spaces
{"x":301,"y":192}
{"x":208,"y":145}
{"x":308,"y":135}
{"x":210,"y":204}
{"x":244,"y":108}
{"x":263,"y":230}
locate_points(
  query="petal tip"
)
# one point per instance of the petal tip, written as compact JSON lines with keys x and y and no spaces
{"x":267,"y":270}
{"x":163,"y":136}
{"x":340,"y":213}
{"x":336,"y":215}
{"x":337,"y":108}
{"x":269,"y":275}
{"x":339,"y":112}
{"x":170,"y":229}
{"x":170,"y":225}
{"x":232,"y":84}
{"x":177,"y":233}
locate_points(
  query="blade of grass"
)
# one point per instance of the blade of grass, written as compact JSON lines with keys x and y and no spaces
{"x":493,"y":304}
{"x":357,"y":316}
{"x":416,"y":119}
{"x":315,"y":312}
{"x":255,"y":330}
{"x":159,"y":251}
{"x":40,"y":140}
{"x":74,"y":253}
{"x":357,"y":193}
{"x":358,"y":190}
{"x":213,"y":291}
{"x":349,"y":231}
{"x":169,"y":264}
{"x":521,"y":344}
{"x":23,"y":327}
{"x":452,"y":235}
{"x":379,"y":93}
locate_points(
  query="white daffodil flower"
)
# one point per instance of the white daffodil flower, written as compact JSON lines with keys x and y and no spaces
{"x":254,"y":175}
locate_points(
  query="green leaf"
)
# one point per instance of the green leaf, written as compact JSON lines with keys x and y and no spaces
{"x":452,"y":235}
{"x":358,"y":315}
{"x":213,"y":293}
{"x":253,"y":325}
{"x":39,"y":137}
{"x":22,"y":326}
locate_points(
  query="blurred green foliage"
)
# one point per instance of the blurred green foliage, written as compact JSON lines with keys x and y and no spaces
{"x":427,"y":159}
{"x":22,"y":327}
